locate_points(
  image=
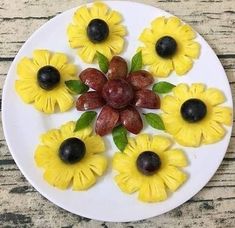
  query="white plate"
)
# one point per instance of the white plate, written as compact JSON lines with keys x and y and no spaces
{"x":23,"y":124}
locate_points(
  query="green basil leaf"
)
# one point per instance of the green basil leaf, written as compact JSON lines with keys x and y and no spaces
{"x":163,"y":87}
{"x":85,"y":120}
{"x":137,"y":62}
{"x":76,"y":86}
{"x":155,"y":121}
{"x":120,"y":137}
{"x":103,"y":62}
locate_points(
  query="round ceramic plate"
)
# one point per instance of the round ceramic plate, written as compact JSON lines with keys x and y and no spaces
{"x":104,"y":201}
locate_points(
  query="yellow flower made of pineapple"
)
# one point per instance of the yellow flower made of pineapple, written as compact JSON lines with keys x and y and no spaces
{"x":169,"y":46}
{"x":149,"y":166}
{"x":96,"y":28}
{"x":71,"y":158}
{"x":193,"y":115}
{"x":41,"y":81}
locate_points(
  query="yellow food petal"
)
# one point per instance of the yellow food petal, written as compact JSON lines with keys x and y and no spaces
{"x":182,"y":64}
{"x":172,"y":177}
{"x":27,"y":89}
{"x":115,"y":45}
{"x":186,"y":32}
{"x":143,"y":142}
{"x":44,"y":102}
{"x":105,"y":50}
{"x":44,"y":156}
{"x":160,"y":143}
{"x":131,"y":150}
{"x":27,"y":69}
{"x":69,"y":72}
{"x":82,"y":16}
{"x":162,"y":68}
{"x":222,"y":115}
{"x":99,"y":10}
{"x":84,"y":133}
{"x":67,"y":130}
{"x":158,"y":24}
{"x":192,"y":49}
{"x":83,"y":179}
{"x":189,"y":135}
{"x":118,"y":30}
{"x":214,"y":96}
{"x":77,"y":36}
{"x":94,"y":144}
{"x":52,"y":139}
{"x":122,"y":163}
{"x":170,"y":104}
{"x":213,"y":132}
{"x":114,"y":18}
{"x":152,"y":190}
{"x":197,"y":89}
{"x":181,"y":92}
{"x":173,"y":123}
{"x":64,"y":99}
{"x":147,"y":36}
{"x":97,"y":164}
{"x":172,"y":24}
{"x":41,"y":57}
{"x":126,"y":183}
{"x":58,"y":60}
{"x":87,"y":53}
{"x":174,"y":157}
{"x":59,"y":177}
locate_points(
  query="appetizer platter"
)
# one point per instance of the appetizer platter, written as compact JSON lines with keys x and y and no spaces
{"x":117,"y":115}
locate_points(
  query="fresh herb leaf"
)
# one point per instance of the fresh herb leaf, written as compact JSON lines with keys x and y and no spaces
{"x":76,"y":86}
{"x":137,"y":62}
{"x":85,"y":120}
{"x":120,"y":137}
{"x":103,"y":62}
{"x":163,"y":87}
{"x":155,"y":121}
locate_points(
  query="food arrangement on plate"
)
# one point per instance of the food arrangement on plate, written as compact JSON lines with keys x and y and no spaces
{"x":116,"y":95}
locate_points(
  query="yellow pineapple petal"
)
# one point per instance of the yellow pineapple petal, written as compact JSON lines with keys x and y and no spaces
{"x":64,"y":99}
{"x":214,"y":96}
{"x":170,"y":104}
{"x":99,"y":10}
{"x":41,"y":57}
{"x":87,"y":53}
{"x":174,"y":157}
{"x":126,"y":183}
{"x":44,"y":156}
{"x":51,"y":138}
{"x":83,"y":179}
{"x":59,"y":177}
{"x":97,"y":164}
{"x":27,"y":69}
{"x":160,"y":143}
{"x":44,"y":102}
{"x":181,"y":92}
{"x":182,"y":64}
{"x":222,"y":115}
{"x":192,"y":49}
{"x":172,"y":177}
{"x":152,"y":190}
{"x":212,"y":132}
{"x":27,"y":90}
{"x":58,"y":60}
{"x":95,"y":144}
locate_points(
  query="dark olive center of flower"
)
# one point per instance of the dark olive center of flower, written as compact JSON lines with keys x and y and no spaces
{"x":193,"y":110}
{"x":97,"y":30}
{"x":72,"y":150}
{"x":148,"y":163}
{"x":166,"y":47}
{"x":117,"y":93}
{"x":48,"y":77}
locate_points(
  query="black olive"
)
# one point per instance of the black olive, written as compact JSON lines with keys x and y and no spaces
{"x":48,"y":77}
{"x":166,"y":47}
{"x":97,"y":30}
{"x":72,"y":150}
{"x":193,"y":110}
{"x":148,"y":163}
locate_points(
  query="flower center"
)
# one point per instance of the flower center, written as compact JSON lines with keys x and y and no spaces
{"x":72,"y":150}
{"x":193,"y":110}
{"x":97,"y":30}
{"x":166,"y":47}
{"x":48,"y":77}
{"x":117,"y":93}
{"x":148,"y":163}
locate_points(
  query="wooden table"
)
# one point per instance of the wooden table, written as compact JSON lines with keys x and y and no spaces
{"x":22,"y":206}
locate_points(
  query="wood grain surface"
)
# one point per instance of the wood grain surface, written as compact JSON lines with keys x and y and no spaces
{"x":22,"y":206}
